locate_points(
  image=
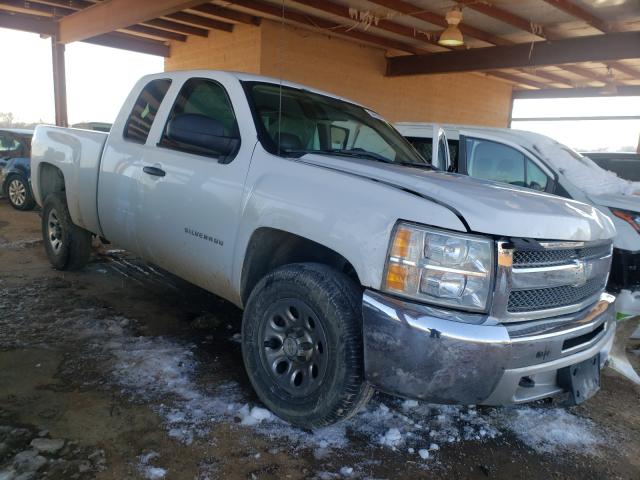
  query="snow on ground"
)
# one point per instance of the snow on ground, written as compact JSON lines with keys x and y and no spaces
{"x":551,"y":430}
{"x":149,"y":471}
{"x":162,"y":371}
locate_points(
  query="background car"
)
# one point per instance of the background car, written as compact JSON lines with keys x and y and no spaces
{"x":625,"y":165}
{"x":15,"y":167}
{"x":535,"y":161}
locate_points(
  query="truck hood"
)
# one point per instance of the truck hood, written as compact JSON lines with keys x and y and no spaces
{"x":624,"y":202}
{"x":486,"y":207}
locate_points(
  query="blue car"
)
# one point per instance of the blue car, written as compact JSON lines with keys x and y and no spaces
{"x":15,"y":167}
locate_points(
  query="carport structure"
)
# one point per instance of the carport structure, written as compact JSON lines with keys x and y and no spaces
{"x":384,"y":53}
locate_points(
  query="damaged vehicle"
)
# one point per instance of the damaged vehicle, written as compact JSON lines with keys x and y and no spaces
{"x":358,"y":265}
{"x":535,"y":161}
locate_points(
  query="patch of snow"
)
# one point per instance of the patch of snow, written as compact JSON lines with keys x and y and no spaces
{"x":253,"y":416}
{"x":551,"y":430}
{"x":346,"y":471}
{"x":424,"y":453}
{"x":409,"y":404}
{"x":149,"y":471}
{"x":392,"y":438}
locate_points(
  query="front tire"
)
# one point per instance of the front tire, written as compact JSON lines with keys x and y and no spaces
{"x":19,"y":193}
{"x":302,"y":344}
{"x":68,"y":246}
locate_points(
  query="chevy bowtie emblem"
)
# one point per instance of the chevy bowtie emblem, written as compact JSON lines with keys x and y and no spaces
{"x":582,"y":273}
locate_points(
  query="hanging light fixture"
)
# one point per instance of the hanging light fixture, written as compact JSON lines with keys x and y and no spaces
{"x":610,"y":87}
{"x":452,"y":36}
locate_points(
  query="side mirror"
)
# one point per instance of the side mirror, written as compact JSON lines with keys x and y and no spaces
{"x":201,"y":134}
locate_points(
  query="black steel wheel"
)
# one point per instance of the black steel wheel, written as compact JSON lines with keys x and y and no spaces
{"x":302,"y":344}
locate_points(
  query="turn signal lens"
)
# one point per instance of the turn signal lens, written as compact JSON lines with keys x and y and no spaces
{"x":401,"y":243}
{"x":396,"y":277}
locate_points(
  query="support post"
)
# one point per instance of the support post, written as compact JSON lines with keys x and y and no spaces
{"x":59,"y":82}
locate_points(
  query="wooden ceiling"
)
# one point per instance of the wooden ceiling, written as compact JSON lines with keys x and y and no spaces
{"x":534,"y":44}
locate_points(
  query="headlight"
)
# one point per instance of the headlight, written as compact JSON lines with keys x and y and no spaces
{"x":633,"y":218}
{"x":440,"y":267}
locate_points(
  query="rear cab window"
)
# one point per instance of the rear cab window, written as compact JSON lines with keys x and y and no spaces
{"x":145,"y":109}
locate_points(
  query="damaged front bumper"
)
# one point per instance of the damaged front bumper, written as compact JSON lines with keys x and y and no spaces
{"x":442,"y":356}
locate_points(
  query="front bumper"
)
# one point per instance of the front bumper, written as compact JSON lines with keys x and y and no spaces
{"x":422,"y":352}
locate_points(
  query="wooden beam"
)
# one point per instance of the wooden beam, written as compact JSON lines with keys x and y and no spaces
{"x":552,"y":77}
{"x":155,"y":32}
{"x":222,"y":12}
{"x":69,"y":6}
{"x":626,"y":69}
{"x":37,"y":7}
{"x":112,"y":15}
{"x":428,"y":16}
{"x":383,"y":24}
{"x":623,"y":91}
{"x":576,"y":11}
{"x":497,"y":13}
{"x":59,"y":82}
{"x":597,"y":48}
{"x":177,"y":27}
{"x":130,"y":42}
{"x":335,"y":28}
{"x":517,"y":79}
{"x":28,"y":23}
{"x":585,"y":73}
{"x":205,"y":22}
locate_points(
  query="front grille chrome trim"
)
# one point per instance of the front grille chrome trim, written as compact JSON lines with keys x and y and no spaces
{"x":578,"y":272}
{"x":591,"y":260}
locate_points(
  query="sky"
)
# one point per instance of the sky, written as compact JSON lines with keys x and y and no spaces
{"x":99,"y":79}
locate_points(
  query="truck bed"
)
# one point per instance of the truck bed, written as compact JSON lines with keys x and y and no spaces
{"x":76,"y":153}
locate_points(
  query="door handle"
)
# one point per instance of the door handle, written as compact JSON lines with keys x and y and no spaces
{"x":158,"y":172}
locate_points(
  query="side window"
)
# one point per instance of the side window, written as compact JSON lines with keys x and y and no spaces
{"x":145,"y":109}
{"x":536,"y":178}
{"x":204,"y":108}
{"x":424,"y":146}
{"x":8,"y":144}
{"x":494,"y":161}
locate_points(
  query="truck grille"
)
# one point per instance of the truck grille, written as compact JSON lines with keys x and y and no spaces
{"x":552,"y":278}
{"x":554,"y":257}
{"x":555,"y":297}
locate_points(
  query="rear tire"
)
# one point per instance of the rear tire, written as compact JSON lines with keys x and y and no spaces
{"x":68,"y":246}
{"x":302,"y":344}
{"x":19,"y":193}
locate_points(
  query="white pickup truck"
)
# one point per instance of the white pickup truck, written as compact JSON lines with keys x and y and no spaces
{"x":356,"y":263}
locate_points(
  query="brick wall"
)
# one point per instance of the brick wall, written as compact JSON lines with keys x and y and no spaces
{"x":350,"y":70}
{"x":237,"y":51}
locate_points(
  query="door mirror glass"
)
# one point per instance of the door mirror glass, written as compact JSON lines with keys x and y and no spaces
{"x":200,"y":134}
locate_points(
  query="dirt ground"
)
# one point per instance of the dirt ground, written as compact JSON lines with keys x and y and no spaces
{"x":121,"y":371}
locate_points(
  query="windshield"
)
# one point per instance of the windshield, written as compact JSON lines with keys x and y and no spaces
{"x":295,"y":122}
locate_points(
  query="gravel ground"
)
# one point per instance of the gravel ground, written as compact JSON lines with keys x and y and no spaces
{"x":123,"y":371}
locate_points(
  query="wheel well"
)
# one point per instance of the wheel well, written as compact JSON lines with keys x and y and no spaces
{"x":270,"y":248}
{"x":51,"y":180}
